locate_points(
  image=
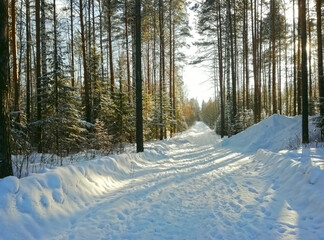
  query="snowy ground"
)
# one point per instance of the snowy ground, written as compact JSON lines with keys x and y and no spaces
{"x":194,"y":186}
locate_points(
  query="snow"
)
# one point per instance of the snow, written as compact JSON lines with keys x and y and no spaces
{"x":194,"y":186}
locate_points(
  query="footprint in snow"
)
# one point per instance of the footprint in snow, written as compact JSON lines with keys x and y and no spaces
{"x":267,"y":213}
{"x":281,"y":230}
{"x":247,"y":215}
{"x":235,"y":207}
{"x":248,"y":183}
{"x":230,"y":191}
{"x":275,"y":187}
{"x":260,"y":200}
{"x":252,"y":190}
{"x":121,"y":217}
{"x":249,"y":206}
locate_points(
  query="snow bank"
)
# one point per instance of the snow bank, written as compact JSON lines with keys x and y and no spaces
{"x":56,"y":193}
{"x":300,"y":181}
{"x":274,"y":133}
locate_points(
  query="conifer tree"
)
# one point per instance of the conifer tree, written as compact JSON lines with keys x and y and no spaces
{"x":5,"y":153}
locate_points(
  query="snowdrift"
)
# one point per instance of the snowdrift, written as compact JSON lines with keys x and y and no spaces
{"x":274,"y":133}
{"x":26,"y":204}
{"x":39,"y":206}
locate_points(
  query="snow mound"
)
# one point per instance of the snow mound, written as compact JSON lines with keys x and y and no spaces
{"x":299,"y":179}
{"x":274,"y":133}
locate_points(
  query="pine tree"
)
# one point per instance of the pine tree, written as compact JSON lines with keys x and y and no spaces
{"x":5,"y":152}
{"x":320,"y":64}
{"x":138,"y":76}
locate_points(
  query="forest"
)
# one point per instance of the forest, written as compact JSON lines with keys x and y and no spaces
{"x":68,"y":70}
{"x":264,"y":57}
{"x":71,"y":81}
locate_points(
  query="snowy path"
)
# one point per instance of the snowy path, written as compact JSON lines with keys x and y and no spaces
{"x":189,"y":187}
{"x":197,"y":191}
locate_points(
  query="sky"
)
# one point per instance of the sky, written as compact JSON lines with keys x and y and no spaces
{"x":196,"y":78}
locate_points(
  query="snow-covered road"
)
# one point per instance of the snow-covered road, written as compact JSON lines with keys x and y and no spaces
{"x":189,"y":187}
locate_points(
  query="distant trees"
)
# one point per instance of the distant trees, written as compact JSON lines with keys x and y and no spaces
{"x":257,"y":52}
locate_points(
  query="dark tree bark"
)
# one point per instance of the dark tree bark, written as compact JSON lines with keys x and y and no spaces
{"x":129,"y":83}
{"x":171,"y":62}
{"x":302,"y":21}
{"x":233,"y":68}
{"x":38,"y":77}
{"x":138,"y":71}
{"x":294,"y":61}
{"x":257,"y":97}
{"x":28,"y":69}
{"x":246,"y":54}
{"x":72,"y":44}
{"x":162,"y":66}
{"x":273,"y":55}
{"x":111,"y":62}
{"x":320,"y":60}
{"x":56,"y":75}
{"x":85,"y":66}
{"x":220,"y":69}
{"x":299,"y":61}
{"x":14,"y":59}
{"x":5,"y":153}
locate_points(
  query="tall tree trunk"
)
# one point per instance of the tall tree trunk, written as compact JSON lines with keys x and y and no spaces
{"x":233,"y":72}
{"x":111,"y":62}
{"x":72,"y":44}
{"x":129,"y":83}
{"x":229,"y":98}
{"x":294,"y":61}
{"x":320,"y":60}
{"x":246,"y":53}
{"x":273,"y":56}
{"x":162,"y":66}
{"x":220,"y":69}
{"x":85,"y":65}
{"x":174,"y":76}
{"x":310,"y":89}
{"x":138,"y":70}
{"x":279,"y":78}
{"x":303,"y":31}
{"x":299,"y":62}
{"x":43,"y":42}
{"x":256,"y":76}
{"x":5,"y":153}
{"x":14,"y":59}
{"x":38,"y":78}
{"x":56,"y":77}
{"x":101,"y":41}
{"x":170,"y":62}
{"x":28,"y":68}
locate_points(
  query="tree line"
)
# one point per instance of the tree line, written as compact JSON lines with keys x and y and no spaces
{"x":68,"y":74}
{"x":265,"y":57}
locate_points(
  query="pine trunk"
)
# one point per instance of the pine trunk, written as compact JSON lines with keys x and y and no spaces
{"x":85,"y":65}
{"x":138,"y":70}
{"x":320,"y":60}
{"x":302,"y":21}
{"x":38,"y":78}
{"x":5,"y":153}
